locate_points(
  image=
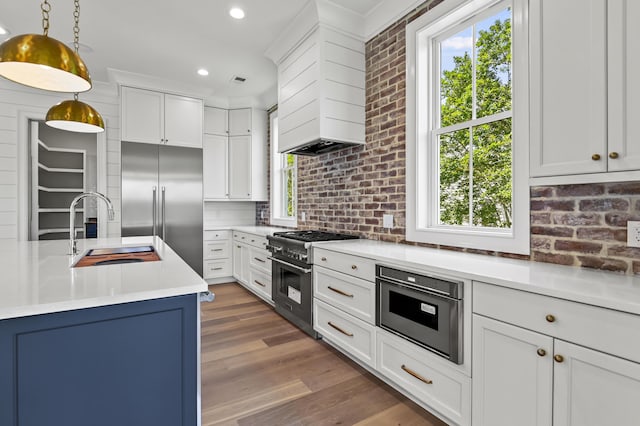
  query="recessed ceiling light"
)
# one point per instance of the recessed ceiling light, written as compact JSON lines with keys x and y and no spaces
{"x":203,"y":72}
{"x":236,"y":13}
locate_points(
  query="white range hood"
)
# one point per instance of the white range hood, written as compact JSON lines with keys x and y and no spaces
{"x":321,"y":81}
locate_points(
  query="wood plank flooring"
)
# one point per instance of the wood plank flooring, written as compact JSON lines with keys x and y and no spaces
{"x":259,"y":369}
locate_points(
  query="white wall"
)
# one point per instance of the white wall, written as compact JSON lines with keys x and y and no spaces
{"x":227,"y":213}
{"x":18,"y":104}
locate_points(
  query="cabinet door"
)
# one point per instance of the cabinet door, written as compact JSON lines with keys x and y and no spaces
{"x":240,"y":167}
{"x":183,"y":121}
{"x":240,"y":121}
{"x":216,"y":121}
{"x":142,"y":115}
{"x":569,"y":87}
{"x":512,"y":381}
{"x":593,"y":389}
{"x":624,"y":85}
{"x":214,"y":167}
{"x":237,"y":261}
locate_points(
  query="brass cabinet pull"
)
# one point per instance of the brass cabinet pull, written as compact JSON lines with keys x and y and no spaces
{"x":340,"y":291}
{"x":613,"y":155}
{"x":595,"y":157}
{"x":541,"y":352}
{"x":324,"y":259}
{"x":354,"y":267}
{"x":259,"y":283}
{"x":239,"y":246}
{"x":550,"y":318}
{"x":346,"y":333}
{"x":217,"y":269}
{"x":259,"y":260}
{"x":416,"y":375}
{"x":558,"y":358}
{"x":216,"y":250}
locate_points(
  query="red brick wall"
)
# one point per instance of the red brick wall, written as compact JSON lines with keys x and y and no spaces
{"x":350,"y":190}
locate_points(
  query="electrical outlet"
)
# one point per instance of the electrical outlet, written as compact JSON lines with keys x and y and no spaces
{"x":387,"y":221}
{"x":633,"y":233}
{"x":261,"y":214}
{"x":303,"y":216}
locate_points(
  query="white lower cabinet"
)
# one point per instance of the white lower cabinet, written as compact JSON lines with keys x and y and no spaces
{"x":534,"y":376}
{"x":217,"y":264}
{"x":512,"y":383}
{"x":251,"y":264}
{"x":445,"y":390}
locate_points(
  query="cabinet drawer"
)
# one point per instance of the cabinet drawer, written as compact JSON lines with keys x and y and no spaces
{"x":217,"y":268}
{"x":598,"y":328}
{"x":352,"y":265}
{"x":445,"y":390}
{"x":217,"y":249}
{"x":354,"y":336}
{"x":260,"y":282}
{"x":259,"y":259}
{"x":252,"y":239}
{"x":353,"y":295}
{"x":224,"y":234}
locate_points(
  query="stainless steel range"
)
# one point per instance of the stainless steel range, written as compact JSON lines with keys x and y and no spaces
{"x":292,"y":263}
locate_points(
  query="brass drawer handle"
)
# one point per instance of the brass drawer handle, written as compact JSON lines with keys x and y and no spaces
{"x":346,"y":333}
{"x":259,"y":260}
{"x":542,"y":352}
{"x":354,"y":267}
{"x":324,"y":259}
{"x":259,"y":283}
{"x":216,"y":250}
{"x":558,"y":358}
{"x":613,"y":155}
{"x":550,"y":318}
{"x":239,"y":246}
{"x":217,"y":269}
{"x":595,"y":157}
{"x":416,"y":375}
{"x":340,"y":291}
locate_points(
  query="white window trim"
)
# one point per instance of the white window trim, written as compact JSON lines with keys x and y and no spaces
{"x":419,"y":161}
{"x":276,"y":181}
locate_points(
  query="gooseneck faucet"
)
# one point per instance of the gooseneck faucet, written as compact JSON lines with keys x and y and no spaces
{"x":72,"y":216}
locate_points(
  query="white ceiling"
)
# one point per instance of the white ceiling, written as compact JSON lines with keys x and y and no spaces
{"x":172,"y":39}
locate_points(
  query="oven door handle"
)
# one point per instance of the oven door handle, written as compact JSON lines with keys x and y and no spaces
{"x":306,"y":271}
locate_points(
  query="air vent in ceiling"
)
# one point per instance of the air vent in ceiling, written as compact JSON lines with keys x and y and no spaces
{"x":237,"y":79}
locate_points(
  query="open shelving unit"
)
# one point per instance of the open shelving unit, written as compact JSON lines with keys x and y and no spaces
{"x":58,"y":175}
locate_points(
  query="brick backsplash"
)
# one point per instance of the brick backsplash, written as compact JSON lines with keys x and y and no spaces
{"x":350,"y":190}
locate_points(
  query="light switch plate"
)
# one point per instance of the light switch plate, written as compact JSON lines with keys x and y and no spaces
{"x":387,"y":221}
{"x":633,"y":233}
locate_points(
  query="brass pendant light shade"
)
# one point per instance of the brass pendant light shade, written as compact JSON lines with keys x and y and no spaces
{"x":43,"y":62}
{"x":75,"y":116}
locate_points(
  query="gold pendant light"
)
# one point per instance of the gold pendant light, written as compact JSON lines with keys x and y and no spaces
{"x":43,"y":62}
{"x":75,"y":116}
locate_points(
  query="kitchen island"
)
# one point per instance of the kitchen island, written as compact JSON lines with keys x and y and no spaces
{"x":100,"y":345}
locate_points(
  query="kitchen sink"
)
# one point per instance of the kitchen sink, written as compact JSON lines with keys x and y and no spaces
{"x":117,"y":255}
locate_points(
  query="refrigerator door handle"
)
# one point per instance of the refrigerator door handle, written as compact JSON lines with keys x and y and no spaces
{"x":164,"y":217}
{"x":154,"y":215}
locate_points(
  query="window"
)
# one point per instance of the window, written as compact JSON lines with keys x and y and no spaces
{"x":283,"y":182}
{"x":467,"y":126}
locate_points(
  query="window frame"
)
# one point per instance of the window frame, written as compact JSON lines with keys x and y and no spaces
{"x":277,"y":197}
{"x":423,"y":155}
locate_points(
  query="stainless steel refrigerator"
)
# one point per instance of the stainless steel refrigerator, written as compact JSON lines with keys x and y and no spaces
{"x":162,"y":195}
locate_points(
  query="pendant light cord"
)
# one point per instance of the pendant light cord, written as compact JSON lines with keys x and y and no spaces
{"x":46,"y":8}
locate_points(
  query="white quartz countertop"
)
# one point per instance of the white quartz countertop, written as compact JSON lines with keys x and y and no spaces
{"x":599,"y":288}
{"x":37,"y":277}
{"x":256,"y":230}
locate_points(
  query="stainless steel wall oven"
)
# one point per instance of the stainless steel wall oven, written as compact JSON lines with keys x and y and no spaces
{"x":423,"y":309}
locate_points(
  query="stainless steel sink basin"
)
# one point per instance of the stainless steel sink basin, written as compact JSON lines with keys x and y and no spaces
{"x":117,"y":255}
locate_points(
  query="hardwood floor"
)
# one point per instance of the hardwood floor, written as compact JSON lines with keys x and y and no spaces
{"x":259,"y":369}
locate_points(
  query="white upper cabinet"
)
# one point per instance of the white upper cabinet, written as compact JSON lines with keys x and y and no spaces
{"x":235,"y":165}
{"x":585,"y":56}
{"x":624,"y":85}
{"x":240,"y":122}
{"x":158,"y":118}
{"x":216,"y":121}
